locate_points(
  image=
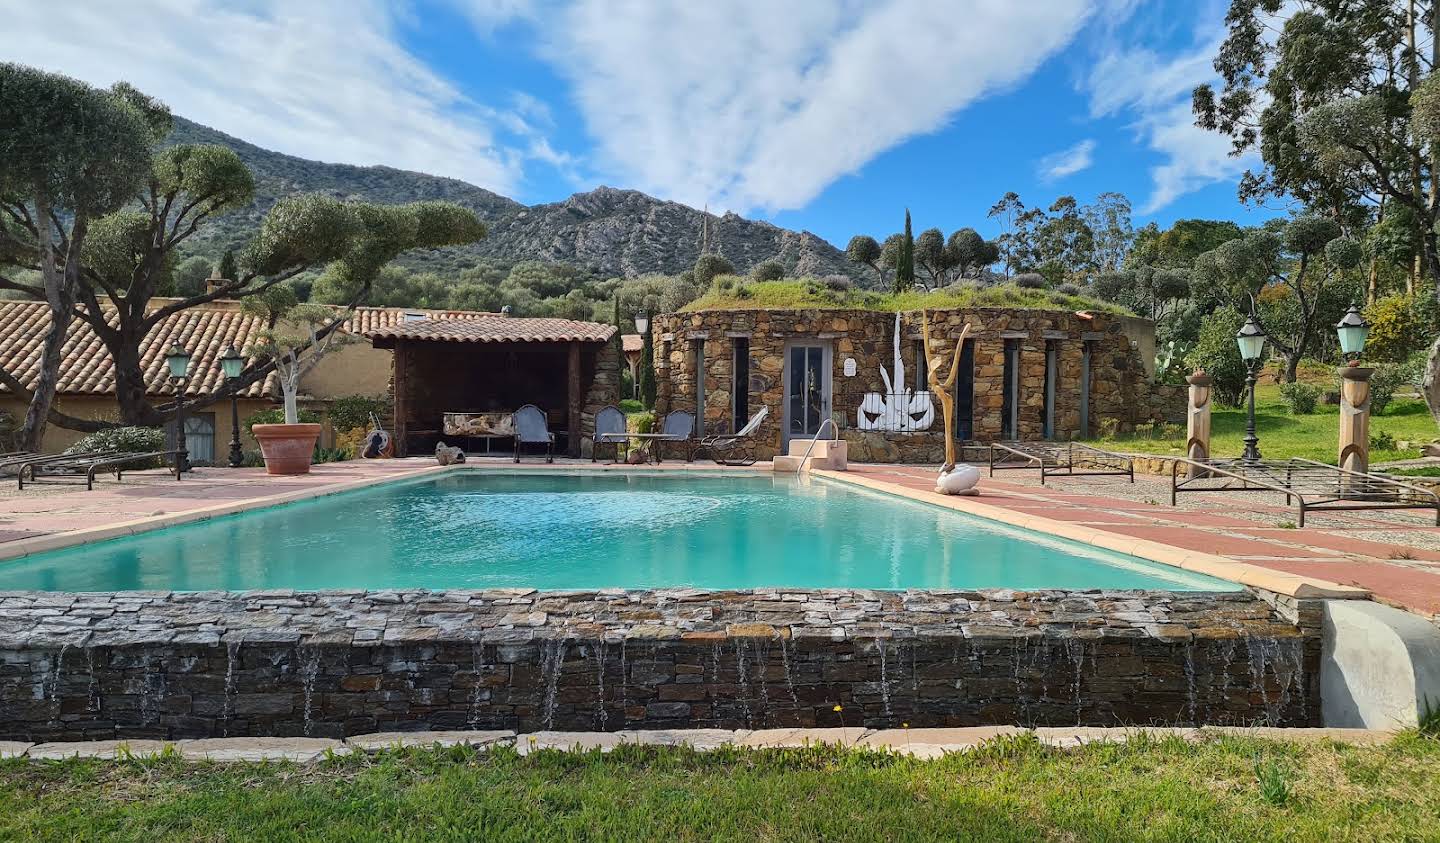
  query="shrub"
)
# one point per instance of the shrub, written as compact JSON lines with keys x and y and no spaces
{"x":354,"y":411}
{"x":643,"y":422}
{"x":118,"y":439}
{"x":1217,"y":354}
{"x":1396,"y":330}
{"x":324,"y":455}
{"x":1069,"y":289}
{"x":1300,"y":398}
{"x":767,"y":271}
{"x":1382,"y":440}
{"x":276,"y":415}
{"x":351,"y":441}
{"x":1109,"y":427}
{"x":1383,"y":384}
{"x":1030,"y":281}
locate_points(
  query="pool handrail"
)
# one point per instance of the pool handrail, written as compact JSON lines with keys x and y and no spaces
{"x":816,"y":438}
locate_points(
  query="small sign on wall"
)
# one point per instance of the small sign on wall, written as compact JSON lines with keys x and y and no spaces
{"x":849,"y":367}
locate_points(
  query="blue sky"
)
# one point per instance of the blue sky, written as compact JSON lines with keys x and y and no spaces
{"x":826,"y":115}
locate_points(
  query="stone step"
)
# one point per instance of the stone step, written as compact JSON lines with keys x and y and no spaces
{"x":823,"y":448}
{"x":789,"y":465}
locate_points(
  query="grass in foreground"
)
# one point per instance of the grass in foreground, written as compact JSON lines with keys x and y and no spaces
{"x":1282,"y":435}
{"x":1015,"y":789}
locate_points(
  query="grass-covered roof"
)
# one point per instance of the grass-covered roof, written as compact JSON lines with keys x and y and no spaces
{"x":728,"y":293}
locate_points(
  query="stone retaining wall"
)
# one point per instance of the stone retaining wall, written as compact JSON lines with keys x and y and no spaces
{"x":333,"y":664}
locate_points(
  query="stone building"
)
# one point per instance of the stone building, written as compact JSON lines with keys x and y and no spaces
{"x":1024,"y":374}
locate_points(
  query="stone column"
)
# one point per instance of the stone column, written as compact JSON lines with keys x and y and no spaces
{"x":1355,"y":418}
{"x":1197,"y":421}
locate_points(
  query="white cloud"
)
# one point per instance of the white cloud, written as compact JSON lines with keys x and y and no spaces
{"x":1066,"y":162}
{"x":756,"y":104}
{"x":1153,"y":92}
{"x":322,"y":79}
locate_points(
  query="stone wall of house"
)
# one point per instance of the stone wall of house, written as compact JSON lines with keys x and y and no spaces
{"x":339,"y":663}
{"x":604,"y":390}
{"x":1119,"y":385}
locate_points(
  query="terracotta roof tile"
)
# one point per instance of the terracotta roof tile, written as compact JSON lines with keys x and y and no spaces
{"x":499,"y":329}
{"x":206,"y":331}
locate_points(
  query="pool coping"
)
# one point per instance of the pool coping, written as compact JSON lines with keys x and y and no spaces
{"x":1221,"y":567}
{"x":1246,"y":574}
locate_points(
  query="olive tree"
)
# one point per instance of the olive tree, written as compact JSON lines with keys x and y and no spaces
{"x":69,"y":155}
{"x":1295,"y":259}
{"x":864,"y":251}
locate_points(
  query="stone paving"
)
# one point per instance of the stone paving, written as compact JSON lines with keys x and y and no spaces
{"x":920,"y":743}
{"x":1402,"y":570}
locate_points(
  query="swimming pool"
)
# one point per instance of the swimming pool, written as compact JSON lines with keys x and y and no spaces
{"x":590,"y":530}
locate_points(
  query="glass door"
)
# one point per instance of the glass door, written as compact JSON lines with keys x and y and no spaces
{"x":807,"y":390}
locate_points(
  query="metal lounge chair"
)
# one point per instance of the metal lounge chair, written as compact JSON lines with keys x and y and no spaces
{"x":609,"y":430}
{"x":8,"y":462}
{"x":677,"y":426}
{"x":61,"y":468}
{"x":1059,"y":459}
{"x":1312,"y":486}
{"x":533,"y":428}
{"x":736,"y":448}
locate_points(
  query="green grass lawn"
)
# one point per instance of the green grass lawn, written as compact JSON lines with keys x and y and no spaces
{"x":1016,"y":789}
{"x":1282,"y":435}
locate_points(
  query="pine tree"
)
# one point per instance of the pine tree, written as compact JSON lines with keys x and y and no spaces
{"x":905,"y":263}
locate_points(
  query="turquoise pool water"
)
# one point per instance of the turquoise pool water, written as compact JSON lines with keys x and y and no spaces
{"x":593,"y":530}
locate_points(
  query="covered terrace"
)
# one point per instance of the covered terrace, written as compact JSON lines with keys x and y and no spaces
{"x":493,"y":367}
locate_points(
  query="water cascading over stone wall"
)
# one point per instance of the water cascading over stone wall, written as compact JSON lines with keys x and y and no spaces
{"x":331,"y":664}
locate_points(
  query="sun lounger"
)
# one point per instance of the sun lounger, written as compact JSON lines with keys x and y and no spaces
{"x":1312,"y":486}
{"x":736,"y":448}
{"x":1059,"y":459}
{"x":67,"y":467}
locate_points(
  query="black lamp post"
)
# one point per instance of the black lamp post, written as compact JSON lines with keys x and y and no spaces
{"x":1352,"y":331}
{"x":1251,"y":339}
{"x":178,"y":360}
{"x":231,"y":363}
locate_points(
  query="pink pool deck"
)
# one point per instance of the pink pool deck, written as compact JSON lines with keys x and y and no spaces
{"x":1405,"y":575}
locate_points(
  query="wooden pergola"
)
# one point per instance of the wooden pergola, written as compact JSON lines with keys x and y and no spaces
{"x":491,"y":366}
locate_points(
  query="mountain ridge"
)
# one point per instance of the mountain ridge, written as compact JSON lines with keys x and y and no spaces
{"x":606,"y":231}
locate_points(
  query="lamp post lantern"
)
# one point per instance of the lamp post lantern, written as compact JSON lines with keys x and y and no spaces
{"x":1251,"y":339}
{"x":1352,"y":331}
{"x":642,"y":327}
{"x":178,"y":361}
{"x":231,"y":363}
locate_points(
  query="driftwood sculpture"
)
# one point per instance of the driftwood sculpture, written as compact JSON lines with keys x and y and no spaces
{"x":952,"y":480}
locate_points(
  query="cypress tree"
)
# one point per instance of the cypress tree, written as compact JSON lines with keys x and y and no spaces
{"x":905,"y":261}
{"x":227,"y":268}
{"x":647,"y":372}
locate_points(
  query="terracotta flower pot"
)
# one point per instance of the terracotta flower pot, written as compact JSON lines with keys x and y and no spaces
{"x":287,"y":447}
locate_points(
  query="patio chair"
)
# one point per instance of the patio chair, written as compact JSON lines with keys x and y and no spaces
{"x":609,"y":430}
{"x":736,"y":448}
{"x":677,"y":426}
{"x":533,"y":428}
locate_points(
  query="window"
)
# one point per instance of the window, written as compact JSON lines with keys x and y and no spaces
{"x":699,"y":386}
{"x":1052,"y":362}
{"x":965,"y":393}
{"x":740,"y":384}
{"x":1087,"y":351}
{"x":921,"y":381}
{"x":1010,"y":396}
{"x":415,"y":317}
{"x":199,"y":438}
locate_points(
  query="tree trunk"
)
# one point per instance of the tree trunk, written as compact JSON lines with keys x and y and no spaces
{"x":60,"y":295}
{"x":1292,"y":368}
{"x":130,"y":387}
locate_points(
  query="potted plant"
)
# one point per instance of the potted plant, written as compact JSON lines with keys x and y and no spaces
{"x":298,"y":336}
